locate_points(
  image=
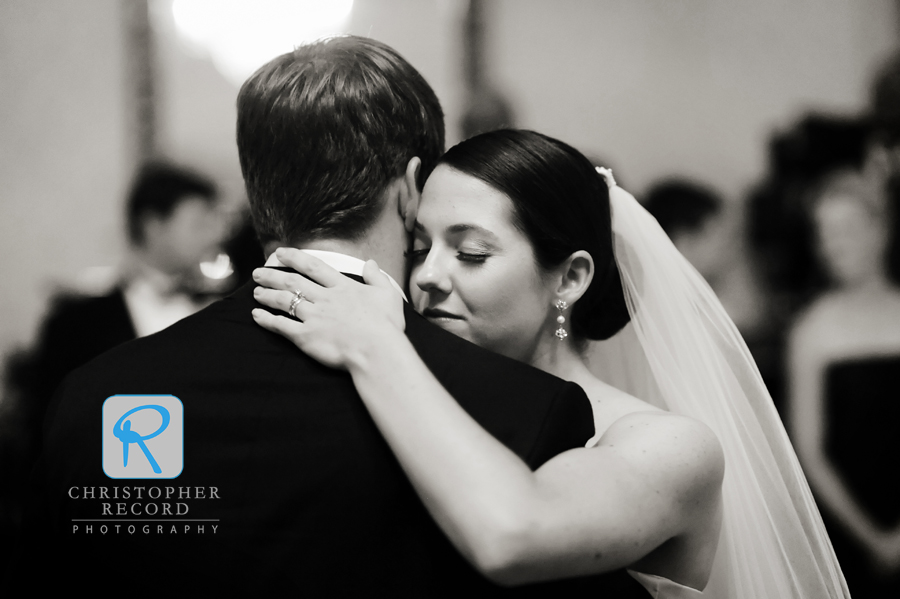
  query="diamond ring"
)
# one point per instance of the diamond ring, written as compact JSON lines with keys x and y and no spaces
{"x":298,"y":297}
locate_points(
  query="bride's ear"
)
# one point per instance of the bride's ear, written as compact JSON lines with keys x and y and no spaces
{"x":575,"y":276}
{"x":410,"y":194}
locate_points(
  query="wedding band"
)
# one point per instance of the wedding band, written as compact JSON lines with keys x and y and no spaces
{"x":298,"y":297}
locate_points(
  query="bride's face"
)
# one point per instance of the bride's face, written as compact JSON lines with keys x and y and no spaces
{"x":473,"y":272}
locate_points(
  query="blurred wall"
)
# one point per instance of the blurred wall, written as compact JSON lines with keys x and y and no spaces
{"x":65,"y":149}
{"x":196,"y":104}
{"x":654,"y":86}
{"x":660,"y":87}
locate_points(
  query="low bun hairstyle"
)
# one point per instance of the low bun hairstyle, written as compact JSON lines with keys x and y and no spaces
{"x":561,"y":204}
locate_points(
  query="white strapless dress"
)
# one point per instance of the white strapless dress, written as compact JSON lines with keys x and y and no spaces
{"x":663,"y":588}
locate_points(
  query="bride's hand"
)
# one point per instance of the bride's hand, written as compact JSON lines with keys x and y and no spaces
{"x":339,"y":321}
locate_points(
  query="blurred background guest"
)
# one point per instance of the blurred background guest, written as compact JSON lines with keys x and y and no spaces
{"x":780,"y":232}
{"x":823,"y":227}
{"x":178,"y":236}
{"x":844,"y":367}
{"x":883,"y":159}
{"x":174,"y":224}
{"x":690,"y":214}
{"x":708,"y":231}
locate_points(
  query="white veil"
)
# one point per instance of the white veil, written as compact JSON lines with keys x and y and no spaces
{"x":683,"y":353}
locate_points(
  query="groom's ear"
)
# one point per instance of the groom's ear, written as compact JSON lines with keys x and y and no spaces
{"x":410,"y":194}
{"x":575,"y":276}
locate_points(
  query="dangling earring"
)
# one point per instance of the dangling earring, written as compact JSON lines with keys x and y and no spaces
{"x":561,"y":332}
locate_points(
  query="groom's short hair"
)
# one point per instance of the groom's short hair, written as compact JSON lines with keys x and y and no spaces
{"x":322,"y":130}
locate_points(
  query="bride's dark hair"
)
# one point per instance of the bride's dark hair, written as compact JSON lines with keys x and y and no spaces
{"x":561,"y":204}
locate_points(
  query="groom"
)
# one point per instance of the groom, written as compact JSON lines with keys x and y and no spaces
{"x":284,"y":483}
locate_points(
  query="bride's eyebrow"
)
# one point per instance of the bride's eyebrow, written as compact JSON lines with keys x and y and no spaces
{"x":465,"y":228}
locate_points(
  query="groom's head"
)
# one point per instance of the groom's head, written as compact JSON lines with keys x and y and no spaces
{"x":322,"y":131}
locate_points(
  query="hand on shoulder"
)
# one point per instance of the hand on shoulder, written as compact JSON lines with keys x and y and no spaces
{"x":338,"y":321}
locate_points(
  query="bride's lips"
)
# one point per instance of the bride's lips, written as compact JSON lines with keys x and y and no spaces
{"x":436,"y":314}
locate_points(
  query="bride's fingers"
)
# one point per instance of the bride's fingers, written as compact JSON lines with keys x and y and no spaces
{"x":287,"y":281}
{"x":281,"y":300}
{"x":373,"y":276}
{"x":310,"y":266}
{"x":278,"y":324}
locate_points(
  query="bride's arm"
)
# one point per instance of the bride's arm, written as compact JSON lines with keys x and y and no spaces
{"x":583,"y":512}
{"x":586,"y":511}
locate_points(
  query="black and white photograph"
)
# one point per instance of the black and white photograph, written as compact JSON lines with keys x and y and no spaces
{"x":450,"y":298}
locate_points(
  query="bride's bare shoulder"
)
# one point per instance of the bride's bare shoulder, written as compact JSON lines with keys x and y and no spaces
{"x":610,"y":404}
{"x":650,"y":435}
{"x":665,"y":426}
{"x":687,"y":448}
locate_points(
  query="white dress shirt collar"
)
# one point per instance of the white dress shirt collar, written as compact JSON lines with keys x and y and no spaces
{"x":342,"y":262}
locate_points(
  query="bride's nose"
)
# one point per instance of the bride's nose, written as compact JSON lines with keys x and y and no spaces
{"x":431,"y":276}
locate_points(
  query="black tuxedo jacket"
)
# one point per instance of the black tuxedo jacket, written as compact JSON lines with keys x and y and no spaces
{"x":77,"y":329}
{"x":308,"y":500}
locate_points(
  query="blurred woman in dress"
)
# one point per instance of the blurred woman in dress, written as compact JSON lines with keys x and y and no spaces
{"x":844,"y":372}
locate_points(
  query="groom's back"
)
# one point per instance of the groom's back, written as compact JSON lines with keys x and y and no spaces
{"x":287,"y":485}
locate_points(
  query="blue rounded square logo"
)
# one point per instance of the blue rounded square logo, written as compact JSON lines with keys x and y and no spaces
{"x":143,"y":436}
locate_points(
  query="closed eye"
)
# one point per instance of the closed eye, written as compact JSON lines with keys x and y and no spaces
{"x":472,"y":257}
{"x":417,"y":255}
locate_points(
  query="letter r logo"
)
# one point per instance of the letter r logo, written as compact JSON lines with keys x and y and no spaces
{"x":143,"y":436}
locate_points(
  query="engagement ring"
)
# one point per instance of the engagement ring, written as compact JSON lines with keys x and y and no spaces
{"x":298,"y":297}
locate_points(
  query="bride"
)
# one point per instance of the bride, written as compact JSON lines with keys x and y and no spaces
{"x":523,"y":248}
